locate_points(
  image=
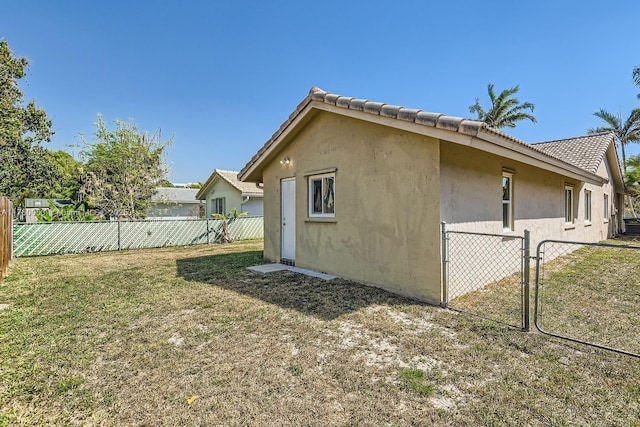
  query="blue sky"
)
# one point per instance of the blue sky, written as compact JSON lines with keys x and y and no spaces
{"x":222,"y":76}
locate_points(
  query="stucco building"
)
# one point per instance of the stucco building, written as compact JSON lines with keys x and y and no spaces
{"x":358,"y":189}
{"x":223,"y":191}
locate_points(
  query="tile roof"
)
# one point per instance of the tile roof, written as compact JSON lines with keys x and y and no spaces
{"x":231,"y":177}
{"x":585,"y":152}
{"x":436,"y":120}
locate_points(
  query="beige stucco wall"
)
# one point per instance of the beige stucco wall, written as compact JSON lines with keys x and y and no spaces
{"x":221,"y":188}
{"x":387,"y":208}
{"x":471,"y":183}
{"x":471,"y":201}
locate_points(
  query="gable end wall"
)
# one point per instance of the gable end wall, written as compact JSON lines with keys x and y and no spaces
{"x":386,"y":226}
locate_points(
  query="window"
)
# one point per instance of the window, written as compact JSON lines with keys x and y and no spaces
{"x":606,"y":207}
{"x":322,"y":195}
{"x":587,"y":205}
{"x":217,"y":205}
{"x":507,"y":201}
{"x":568,"y":204}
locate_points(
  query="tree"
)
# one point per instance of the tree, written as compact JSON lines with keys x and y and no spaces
{"x":636,"y":77}
{"x":165,"y":183}
{"x":625,"y":132}
{"x":632,"y":182}
{"x":24,"y":167}
{"x":122,"y":168}
{"x":505,"y":109}
{"x":227,"y":219}
{"x":68,"y":171}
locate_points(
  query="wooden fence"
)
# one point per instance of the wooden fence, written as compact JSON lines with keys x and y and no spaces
{"x":6,"y":234}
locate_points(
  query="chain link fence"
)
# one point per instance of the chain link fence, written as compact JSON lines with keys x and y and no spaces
{"x":95,"y":236}
{"x":589,"y":293}
{"x":487,"y":275}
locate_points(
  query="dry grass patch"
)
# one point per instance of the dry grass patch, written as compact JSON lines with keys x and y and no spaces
{"x":592,"y":293}
{"x":187,"y":336}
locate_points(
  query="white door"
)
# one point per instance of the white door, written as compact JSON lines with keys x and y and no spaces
{"x":288,"y":216}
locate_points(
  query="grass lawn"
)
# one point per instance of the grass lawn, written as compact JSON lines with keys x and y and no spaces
{"x":187,"y":336}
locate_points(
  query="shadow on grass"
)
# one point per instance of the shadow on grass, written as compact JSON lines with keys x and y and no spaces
{"x":308,"y":295}
{"x":500,"y":302}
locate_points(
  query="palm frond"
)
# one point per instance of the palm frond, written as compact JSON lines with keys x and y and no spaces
{"x":592,"y":131}
{"x":505,"y":109}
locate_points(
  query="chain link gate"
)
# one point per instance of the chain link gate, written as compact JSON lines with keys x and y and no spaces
{"x":487,"y":275}
{"x":589,"y":293}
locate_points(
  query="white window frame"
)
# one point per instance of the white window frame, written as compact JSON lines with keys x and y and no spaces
{"x":322,"y":178}
{"x":606,"y":208}
{"x":587,"y":206}
{"x":508,"y":202}
{"x":214,"y":205}
{"x":568,"y":204}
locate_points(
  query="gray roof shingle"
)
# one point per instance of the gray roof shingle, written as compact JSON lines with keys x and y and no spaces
{"x":175,"y":195}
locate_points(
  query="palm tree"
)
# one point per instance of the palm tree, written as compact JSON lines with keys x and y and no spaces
{"x":636,"y":77}
{"x":227,"y":219}
{"x":505,"y":110}
{"x":633,"y":183}
{"x":625,"y":132}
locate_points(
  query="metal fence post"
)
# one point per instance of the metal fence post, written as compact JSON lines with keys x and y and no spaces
{"x":119,"y":244}
{"x":208,"y":239}
{"x":526,"y":318}
{"x":445,"y":272}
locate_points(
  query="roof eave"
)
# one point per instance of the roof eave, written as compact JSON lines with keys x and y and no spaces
{"x":439,"y":126}
{"x":201,"y":194}
{"x":524,"y":153}
{"x":612,"y":158}
{"x":252,"y":172}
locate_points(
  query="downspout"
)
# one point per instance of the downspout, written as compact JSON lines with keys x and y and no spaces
{"x":245,"y":200}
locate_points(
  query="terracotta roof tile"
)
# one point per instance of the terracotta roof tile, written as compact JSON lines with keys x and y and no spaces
{"x":408,"y":114}
{"x":449,"y":123}
{"x":389,"y":111}
{"x":427,"y":119}
{"x":554,"y":149}
{"x":372,"y":107}
{"x":585,"y":152}
{"x":357,"y":104}
{"x":469,"y":127}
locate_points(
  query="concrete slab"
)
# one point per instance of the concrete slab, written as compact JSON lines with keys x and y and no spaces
{"x":272,"y":268}
{"x":268,"y":268}
{"x":312,"y":273}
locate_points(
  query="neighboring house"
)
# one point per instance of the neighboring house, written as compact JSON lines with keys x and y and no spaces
{"x":31,"y":206}
{"x":223,"y":192}
{"x":358,"y":189}
{"x":175,"y":203}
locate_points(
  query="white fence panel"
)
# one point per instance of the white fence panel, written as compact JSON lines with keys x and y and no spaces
{"x":95,"y":236}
